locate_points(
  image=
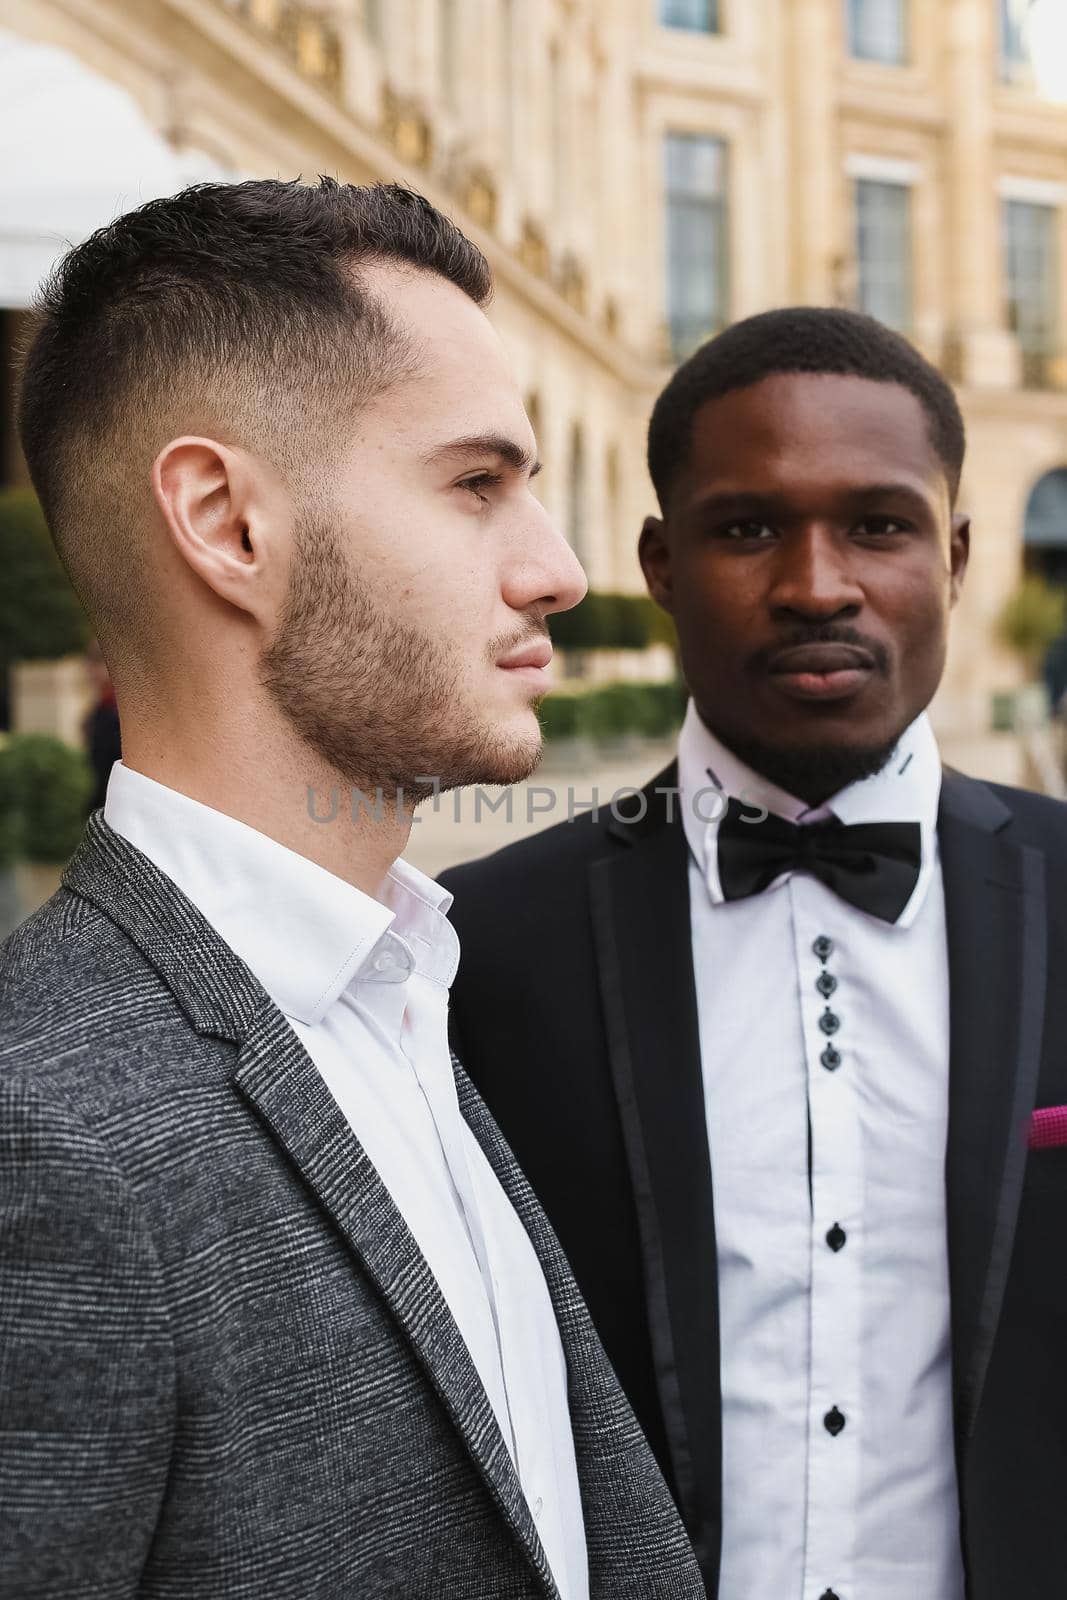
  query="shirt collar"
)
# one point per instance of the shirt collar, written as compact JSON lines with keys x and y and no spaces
{"x":304,"y":932}
{"x":908,"y":789}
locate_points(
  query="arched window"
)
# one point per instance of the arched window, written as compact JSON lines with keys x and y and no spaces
{"x":1045,"y":553}
{"x":1045,"y":526}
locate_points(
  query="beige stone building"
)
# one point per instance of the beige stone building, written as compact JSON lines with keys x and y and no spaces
{"x":638,"y":172}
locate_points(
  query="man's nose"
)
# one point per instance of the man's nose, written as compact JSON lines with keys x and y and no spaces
{"x":815,"y":577}
{"x":546,"y":572}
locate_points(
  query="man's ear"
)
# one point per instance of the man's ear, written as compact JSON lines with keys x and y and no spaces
{"x":959,"y":553}
{"x":223,"y":519}
{"x":653,"y":552}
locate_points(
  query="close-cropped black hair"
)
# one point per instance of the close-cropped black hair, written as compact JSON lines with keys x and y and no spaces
{"x":814,"y":339}
{"x":231,"y":306}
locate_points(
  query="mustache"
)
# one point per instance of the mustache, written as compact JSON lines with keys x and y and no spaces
{"x":821,"y":633}
{"x":505,"y":643}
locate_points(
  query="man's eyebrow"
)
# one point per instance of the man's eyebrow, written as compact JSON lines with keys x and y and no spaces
{"x":484,"y":444}
{"x":744,"y":502}
{"x":891,"y":490}
{"x":737,"y":501}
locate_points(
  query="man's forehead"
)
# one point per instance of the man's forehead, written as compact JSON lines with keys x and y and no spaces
{"x":811,"y":397}
{"x":427,"y":306}
{"x":809,"y":422}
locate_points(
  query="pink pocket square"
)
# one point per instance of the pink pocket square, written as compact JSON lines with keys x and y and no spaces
{"x":1048,"y":1128}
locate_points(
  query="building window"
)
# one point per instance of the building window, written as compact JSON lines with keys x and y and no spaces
{"x":878,"y":31}
{"x":883,"y":251}
{"x":698,"y":16}
{"x":507,"y":76}
{"x":557,"y":131}
{"x":697,"y":244}
{"x":372,"y":20}
{"x":1015,"y":63}
{"x":448,"y":51}
{"x":1032,"y":272}
{"x":613,"y":487}
{"x":576,"y":493}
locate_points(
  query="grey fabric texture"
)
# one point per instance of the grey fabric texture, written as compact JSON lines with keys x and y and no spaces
{"x":225,"y":1368}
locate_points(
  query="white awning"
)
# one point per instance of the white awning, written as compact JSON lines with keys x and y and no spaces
{"x":75,"y":151}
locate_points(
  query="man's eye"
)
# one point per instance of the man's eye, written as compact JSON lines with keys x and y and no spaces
{"x":479,"y":484}
{"x":747,"y":531}
{"x":881,"y":525}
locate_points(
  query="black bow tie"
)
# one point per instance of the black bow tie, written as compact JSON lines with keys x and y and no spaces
{"x":872,"y":865}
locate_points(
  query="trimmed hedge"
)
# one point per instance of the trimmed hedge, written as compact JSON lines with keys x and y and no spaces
{"x":41,"y":617}
{"x":44,"y":791}
{"x":650,"y":710}
{"x":612,"y":622}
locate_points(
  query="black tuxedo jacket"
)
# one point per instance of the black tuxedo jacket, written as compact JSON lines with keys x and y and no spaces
{"x":575,"y":1014}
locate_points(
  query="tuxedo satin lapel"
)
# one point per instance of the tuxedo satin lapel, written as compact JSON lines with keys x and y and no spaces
{"x":997,"y":936}
{"x":280,"y":1082}
{"x":640,"y":910}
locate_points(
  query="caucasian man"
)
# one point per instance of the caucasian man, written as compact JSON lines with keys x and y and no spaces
{"x":278,"y":1314}
{"x":789,"y":1064}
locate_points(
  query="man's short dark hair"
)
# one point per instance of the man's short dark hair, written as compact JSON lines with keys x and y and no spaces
{"x":233,"y":309}
{"x":814,"y":339}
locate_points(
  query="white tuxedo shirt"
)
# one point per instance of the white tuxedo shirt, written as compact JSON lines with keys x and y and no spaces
{"x":839,"y":1473}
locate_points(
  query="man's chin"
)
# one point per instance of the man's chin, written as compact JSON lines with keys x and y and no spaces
{"x":816,"y":769}
{"x":494,"y":759}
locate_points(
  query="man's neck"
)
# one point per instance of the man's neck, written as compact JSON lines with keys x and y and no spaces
{"x":354,"y":831}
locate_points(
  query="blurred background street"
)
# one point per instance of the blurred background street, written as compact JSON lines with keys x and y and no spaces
{"x":639,"y":173}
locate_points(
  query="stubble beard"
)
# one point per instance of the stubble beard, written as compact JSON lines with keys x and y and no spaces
{"x":380,"y":703}
{"x":813,"y":773}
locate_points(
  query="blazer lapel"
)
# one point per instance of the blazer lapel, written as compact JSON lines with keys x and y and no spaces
{"x":997,"y":934}
{"x":279,"y":1081}
{"x":640,"y":908}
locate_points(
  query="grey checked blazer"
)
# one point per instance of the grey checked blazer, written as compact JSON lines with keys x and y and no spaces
{"x":225,"y":1368}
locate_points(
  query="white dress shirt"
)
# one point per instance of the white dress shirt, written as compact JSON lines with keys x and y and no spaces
{"x":364,"y":984}
{"x":833,"y":1278}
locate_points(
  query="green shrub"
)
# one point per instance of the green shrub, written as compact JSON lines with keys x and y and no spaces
{"x":609,"y":712}
{"x":611,"y":622}
{"x":41,"y":617}
{"x":651,"y":710}
{"x":44,"y":790}
{"x":1032,"y":619}
{"x":10,"y":813}
{"x":560,"y":716}
{"x":658,"y":708}
{"x":632,"y":622}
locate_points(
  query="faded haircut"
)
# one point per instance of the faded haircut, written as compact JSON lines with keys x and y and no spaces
{"x":815,"y":339}
{"x":233,"y":310}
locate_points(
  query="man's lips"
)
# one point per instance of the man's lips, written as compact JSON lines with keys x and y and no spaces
{"x":821,"y":671}
{"x":538,"y":654}
{"x":530,"y":663}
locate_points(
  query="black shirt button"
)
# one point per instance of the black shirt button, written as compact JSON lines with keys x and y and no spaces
{"x":829,"y":1022}
{"x":823,"y":947}
{"x":826,"y":983}
{"x":831,"y":1058}
{"x":836,"y":1237}
{"x":833,"y":1422}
